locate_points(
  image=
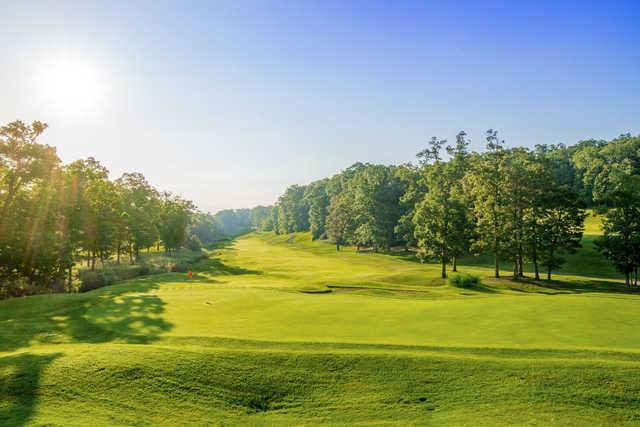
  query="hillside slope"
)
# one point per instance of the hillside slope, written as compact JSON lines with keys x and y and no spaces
{"x":279,"y":329}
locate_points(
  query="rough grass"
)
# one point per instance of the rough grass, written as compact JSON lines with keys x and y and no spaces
{"x":257,"y":338}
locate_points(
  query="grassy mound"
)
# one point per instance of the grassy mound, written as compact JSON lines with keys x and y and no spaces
{"x":149,"y":385}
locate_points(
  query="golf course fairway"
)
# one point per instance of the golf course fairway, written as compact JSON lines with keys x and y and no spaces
{"x":282,"y":330}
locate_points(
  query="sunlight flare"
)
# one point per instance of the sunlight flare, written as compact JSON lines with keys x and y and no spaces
{"x":73,"y":87}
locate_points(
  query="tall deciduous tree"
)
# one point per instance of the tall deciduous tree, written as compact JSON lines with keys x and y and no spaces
{"x":485,"y":185}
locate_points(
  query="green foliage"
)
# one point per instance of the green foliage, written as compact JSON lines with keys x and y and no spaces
{"x":317,"y":199}
{"x":464,"y":280}
{"x":441,"y":220}
{"x":293,"y":211}
{"x":193,"y":243}
{"x":205,"y":228}
{"x":52,"y":216}
{"x":232,"y":222}
{"x":175,"y":215}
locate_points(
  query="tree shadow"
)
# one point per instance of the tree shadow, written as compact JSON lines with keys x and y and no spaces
{"x":480,"y":288}
{"x":222,"y":244}
{"x":20,"y":375}
{"x":569,"y":287}
{"x":217,"y":267}
{"x":129,"y":312}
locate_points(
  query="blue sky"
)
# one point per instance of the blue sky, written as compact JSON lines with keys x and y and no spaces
{"x":227,"y":103}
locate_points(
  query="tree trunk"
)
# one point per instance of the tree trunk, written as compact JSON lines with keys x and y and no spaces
{"x":520,"y":262}
{"x":93,"y":261}
{"x":495,"y":261}
{"x":118,"y":250}
{"x":549,"y":273}
{"x":337,"y":246}
{"x":455,"y":264}
{"x":444,"y":262}
{"x":627,"y":280}
{"x":515,"y":268}
{"x":535,"y":263}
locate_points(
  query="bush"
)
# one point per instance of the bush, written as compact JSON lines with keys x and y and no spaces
{"x":98,"y":278}
{"x":179,"y":267}
{"x":193,"y":243}
{"x":464,"y":280}
{"x":92,"y":280}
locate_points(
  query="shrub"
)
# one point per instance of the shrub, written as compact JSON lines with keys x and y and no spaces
{"x":464,"y":280}
{"x":179,"y":267}
{"x":193,"y":243}
{"x":92,"y":280}
{"x":96,"y":279}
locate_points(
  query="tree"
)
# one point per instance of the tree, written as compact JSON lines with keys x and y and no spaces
{"x":612,"y":172}
{"x":204,"y":227}
{"x":441,"y":217}
{"x":175,"y":216}
{"x":22,"y":161}
{"x":413,"y":191}
{"x":233,"y":222}
{"x":485,"y":187}
{"x":561,"y":226}
{"x":375,"y":193}
{"x":258,"y":214}
{"x":34,"y":247}
{"x":339,"y":221}
{"x":317,"y":200}
{"x":96,"y":202}
{"x":293,"y":214}
{"x":141,"y":203}
{"x":620,"y":242}
{"x":518,"y":189}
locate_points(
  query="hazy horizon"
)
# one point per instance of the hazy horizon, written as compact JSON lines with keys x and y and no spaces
{"x":228,"y":103}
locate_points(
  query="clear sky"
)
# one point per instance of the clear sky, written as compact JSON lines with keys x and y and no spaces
{"x":227,"y":103}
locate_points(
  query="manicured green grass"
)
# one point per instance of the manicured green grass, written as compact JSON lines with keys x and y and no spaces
{"x":282,"y":330}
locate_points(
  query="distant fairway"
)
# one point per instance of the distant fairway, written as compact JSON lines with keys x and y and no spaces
{"x":279,"y":329}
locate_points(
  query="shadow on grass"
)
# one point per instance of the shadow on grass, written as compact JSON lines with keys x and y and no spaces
{"x":218,"y":268}
{"x":479,"y":288}
{"x":131,"y":312}
{"x":221,"y":244}
{"x":19,"y":382}
{"x":547,"y":287}
{"x":585,"y":286}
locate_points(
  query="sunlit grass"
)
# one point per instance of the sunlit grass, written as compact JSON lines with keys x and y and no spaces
{"x":283,"y":330}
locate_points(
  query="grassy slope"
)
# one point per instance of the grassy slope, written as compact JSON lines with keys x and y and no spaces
{"x":253,"y":337}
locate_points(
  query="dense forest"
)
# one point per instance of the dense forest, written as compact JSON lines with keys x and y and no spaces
{"x":517,"y":204}
{"x":53,"y":216}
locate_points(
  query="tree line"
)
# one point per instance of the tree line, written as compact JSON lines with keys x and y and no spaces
{"x":520,"y":205}
{"x":54,"y":215}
